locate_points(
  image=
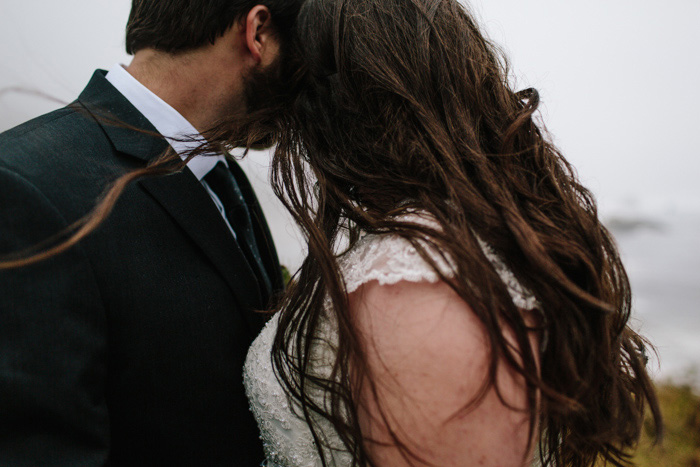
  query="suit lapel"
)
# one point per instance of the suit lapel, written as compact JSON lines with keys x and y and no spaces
{"x":180,"y":194}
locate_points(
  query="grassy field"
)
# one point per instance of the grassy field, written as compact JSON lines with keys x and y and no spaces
{"x":681,"y":443}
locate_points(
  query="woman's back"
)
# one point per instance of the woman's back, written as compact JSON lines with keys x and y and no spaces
{"x":405,"y":313}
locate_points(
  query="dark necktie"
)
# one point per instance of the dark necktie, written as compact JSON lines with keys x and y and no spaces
{"x":221,"y":181}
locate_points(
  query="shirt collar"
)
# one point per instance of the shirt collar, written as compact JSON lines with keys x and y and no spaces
{"x":175,"y":128}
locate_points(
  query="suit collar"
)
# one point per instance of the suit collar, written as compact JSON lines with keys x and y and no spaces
{"x":180,"y":194}
{"x":182,"y":136}
{"x":128,"y":130}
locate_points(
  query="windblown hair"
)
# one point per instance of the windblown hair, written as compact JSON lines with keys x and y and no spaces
{"x":393,"y":106}
{"x":407,"y":106}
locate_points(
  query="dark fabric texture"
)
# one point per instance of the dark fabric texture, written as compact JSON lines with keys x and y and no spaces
{"x":222,"y":182}
{"x":128,"y":349}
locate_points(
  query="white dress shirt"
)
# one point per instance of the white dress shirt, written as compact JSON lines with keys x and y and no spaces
{"x":179,"y":133}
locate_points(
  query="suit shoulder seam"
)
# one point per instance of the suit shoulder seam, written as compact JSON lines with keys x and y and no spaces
{"x":69,"y":111}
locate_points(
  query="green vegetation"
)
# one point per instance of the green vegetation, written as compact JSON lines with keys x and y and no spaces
{"x":286,"y":275}
{"x":680,"y":446}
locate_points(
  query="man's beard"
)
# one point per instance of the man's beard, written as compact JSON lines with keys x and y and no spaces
{"x":267,"y":93}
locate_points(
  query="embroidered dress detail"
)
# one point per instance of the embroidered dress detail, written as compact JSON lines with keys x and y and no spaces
{"x":388,"y":259}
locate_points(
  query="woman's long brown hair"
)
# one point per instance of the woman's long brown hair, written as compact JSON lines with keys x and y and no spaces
{"x":408,"y":106}
{"x":398,"y":105}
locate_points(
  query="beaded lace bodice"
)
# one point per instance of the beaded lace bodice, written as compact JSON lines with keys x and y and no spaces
{"x":388,"y":259}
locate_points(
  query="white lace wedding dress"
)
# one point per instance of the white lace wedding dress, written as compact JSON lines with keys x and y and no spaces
{"x":286,"y":436}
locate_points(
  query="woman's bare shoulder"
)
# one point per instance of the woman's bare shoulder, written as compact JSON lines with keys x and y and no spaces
{"x":428,"y":354}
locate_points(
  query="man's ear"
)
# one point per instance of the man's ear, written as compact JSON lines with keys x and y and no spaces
{"x":260,"y":37}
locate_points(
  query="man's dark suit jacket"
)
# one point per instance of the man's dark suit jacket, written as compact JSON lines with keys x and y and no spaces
{"x":128,"y":349}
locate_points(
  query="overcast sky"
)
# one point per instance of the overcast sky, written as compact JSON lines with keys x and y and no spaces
{"x":618,"y":78}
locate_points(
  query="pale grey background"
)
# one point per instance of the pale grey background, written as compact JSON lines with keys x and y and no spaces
{"x":618,"y":84}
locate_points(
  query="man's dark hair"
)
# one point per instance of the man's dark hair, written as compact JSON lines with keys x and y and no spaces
{"x":179,"y":25}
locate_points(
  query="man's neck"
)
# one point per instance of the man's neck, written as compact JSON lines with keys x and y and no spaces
{"x":188,"y":82}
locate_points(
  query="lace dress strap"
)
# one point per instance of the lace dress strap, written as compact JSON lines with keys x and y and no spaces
{"x":390,"y":258}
